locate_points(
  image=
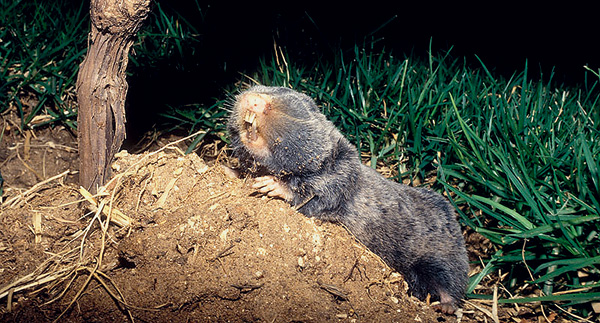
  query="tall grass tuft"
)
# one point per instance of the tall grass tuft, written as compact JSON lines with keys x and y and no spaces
{"x":40,"y":50}
{"x":519,"y":158}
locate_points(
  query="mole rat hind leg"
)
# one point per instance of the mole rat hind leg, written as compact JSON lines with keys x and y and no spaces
{"x":447,"y":304}
{"x":439,"y":279}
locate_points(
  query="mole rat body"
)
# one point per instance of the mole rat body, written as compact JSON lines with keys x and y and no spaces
{"x":281,"y":133}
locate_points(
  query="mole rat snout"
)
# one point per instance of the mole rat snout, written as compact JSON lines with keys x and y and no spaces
{"x":253,"y":108}
{"x":256,"y":103}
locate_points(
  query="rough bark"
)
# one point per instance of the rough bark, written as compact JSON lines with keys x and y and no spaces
{"x":102,"y":88}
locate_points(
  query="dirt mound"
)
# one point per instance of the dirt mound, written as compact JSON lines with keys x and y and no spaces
{"x":200,"y":247}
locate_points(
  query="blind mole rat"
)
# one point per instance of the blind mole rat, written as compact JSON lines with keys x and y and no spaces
{"x":281,"y":134}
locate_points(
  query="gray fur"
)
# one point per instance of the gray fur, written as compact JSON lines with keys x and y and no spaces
{"x":414,"y":230}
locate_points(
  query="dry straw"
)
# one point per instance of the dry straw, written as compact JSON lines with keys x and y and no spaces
{"x":59,"y":272}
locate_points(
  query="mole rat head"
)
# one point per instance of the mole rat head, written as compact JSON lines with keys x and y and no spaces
{"x":280,"y":128}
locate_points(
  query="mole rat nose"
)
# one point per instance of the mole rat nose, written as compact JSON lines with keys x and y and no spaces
{"x":255,"y":102}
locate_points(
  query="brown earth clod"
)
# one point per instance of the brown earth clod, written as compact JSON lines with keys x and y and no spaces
{"x":213,"y":251}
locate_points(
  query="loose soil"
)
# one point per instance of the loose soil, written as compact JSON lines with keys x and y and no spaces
{"x":180,"y":241}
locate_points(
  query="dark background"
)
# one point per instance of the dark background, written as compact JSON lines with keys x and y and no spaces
{"x":552,"y":38}
{"x":503,"y":34}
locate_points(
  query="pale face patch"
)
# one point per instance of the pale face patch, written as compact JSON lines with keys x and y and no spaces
{"x":253,"y":108}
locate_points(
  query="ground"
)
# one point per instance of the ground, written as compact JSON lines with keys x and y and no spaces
{"x":179,"y":241}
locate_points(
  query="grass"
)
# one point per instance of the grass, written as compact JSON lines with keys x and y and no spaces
{"x":167,"y":36}
{"x":518,"y":158}
{"x":39,"y":58}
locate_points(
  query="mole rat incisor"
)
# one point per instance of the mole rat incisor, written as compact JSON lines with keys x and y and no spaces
{"x":305,"y":160}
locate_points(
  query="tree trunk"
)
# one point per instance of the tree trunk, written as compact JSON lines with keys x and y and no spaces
{"x":102,"y":88}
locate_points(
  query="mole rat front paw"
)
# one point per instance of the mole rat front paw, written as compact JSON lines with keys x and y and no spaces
{"x":272,"y":187}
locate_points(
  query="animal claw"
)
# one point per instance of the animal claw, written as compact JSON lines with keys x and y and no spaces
{"x":272,"y":187}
